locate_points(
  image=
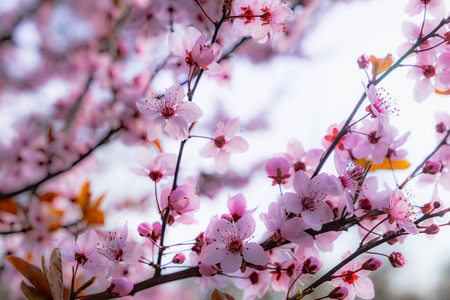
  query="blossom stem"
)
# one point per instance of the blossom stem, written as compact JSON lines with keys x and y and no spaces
{"x":365,"y":237}
{"x":156,"y":198}
{"x":419,"y":167}
{"x":358,"y":121}
{"x":73,"y":294}
{"x":204,"y":12}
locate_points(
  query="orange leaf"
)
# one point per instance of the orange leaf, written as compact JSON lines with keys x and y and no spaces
{"x":54,"y":274}
{"x":218,"y":295}
{"x":85,"y":197}
{"x":34,"y":275}
{"x":48,"y":197}
{"x":32,"y":293}
{"x":380,"y":65}
{"x":9,"y":205}
{"x":447,"y":92}
{"x":385,"y":165}
{"x":158,"y":145}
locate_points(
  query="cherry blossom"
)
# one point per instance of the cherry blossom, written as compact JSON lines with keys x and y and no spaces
{"x":156,"y":168}
{"x":170,"y":113}
{"x":278,"y":169}
{"x":238,"y":207}
{"x":116,"y":248}
{"x":401,"y":212}
{"x":224,"y":143}
{"x":436,"y":8}
{"x":309,"y":198}
{"x":231,"y":245}
{"x":83,"y":251}
{"x":353,"y":277}
{"x":193,"y":48}
{"x":381,"y":107}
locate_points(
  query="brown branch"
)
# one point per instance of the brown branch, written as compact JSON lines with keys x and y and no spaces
{"x":35,"y":185}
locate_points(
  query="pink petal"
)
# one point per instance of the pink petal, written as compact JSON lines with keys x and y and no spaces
{"x":88,"y":241}
{"x":222,"y":159}
{"x":255,"y":254}
{"x":364,"y":288}
{"x":177,"y":128}
{"x":236,"y":144}
{"x":144,"y":157}
{"x":301,"y":183}
{"x":231,"y":127}
{"x":292,"y":202}
{"x":189,"y":111}
{"x":312,"y":219}
{"x":209,"y":150}
{"x":295,"y":149}
{"x":245,"y":227}
{"x":155,"y":128}
{"x":423,"y":89}
{"x":231,"y":262}
{"x":213,"y":254}
{"x":176,"y":44}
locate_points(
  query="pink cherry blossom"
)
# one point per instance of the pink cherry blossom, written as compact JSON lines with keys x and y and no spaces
{"x":305,"y":161}
{"x":170,"y":113}
{"x":231,"y":245}
{"x":116,"y":248}
{"x":120,"y":287}
{"x":193,"y":48}
{"x":401,"y":212}
{"x":347,"y":142}
{"x":436,"y":8}
{"x":255,"y":285}
{"x":373,"y":146}
{"x":224,"y":143}
{"x":155,"y":168}
{"x":283,"y":229}
{"x":238,"y":207}
{"x":181,"y":201}
{"x":278,"y":169}
{"x":354,"y":278}
{"x":309,"y":198}
{"x":83,"y":251}
{"x":381,"y":106}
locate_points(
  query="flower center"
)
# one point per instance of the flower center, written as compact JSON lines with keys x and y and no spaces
{"x":429,"y":71}
{"x":81,"y":258}
{"x":254,"y":278}
{"x":155,"y":175}
{"x":266,"y":16}
{"x":372,"y":138}
{"x":425,"y":2}
{"x":349,"y":277}
{"x":220,"y":141}
{"x":299,"y":166}
{"x":308,"y":203}
{"x":247,"y":14}
{"x":235,"y":246}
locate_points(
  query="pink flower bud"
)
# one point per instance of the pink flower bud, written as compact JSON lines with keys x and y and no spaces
{"x":227,"y":217}
{"x":145,"y":229}
{"x":208,"y":270}
{"x":397,"y":259}
{"x":432,"y":229}
{"x":432,"y":167}
{"x":372,"y":264}
{"x":339,"y":293}
{"x":179,"y":258}
{"x":363,"y":61}
{"x":392,"y":241}
{"x":120,"y":287}
{"x":437,"y":204}
{"x":156,"y":233}
{"x":440,"y":128}
{"x":311,"y":265}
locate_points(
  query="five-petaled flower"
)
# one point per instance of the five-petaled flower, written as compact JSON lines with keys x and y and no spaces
{"x":231,"y":245}
{"x":170,"y":113}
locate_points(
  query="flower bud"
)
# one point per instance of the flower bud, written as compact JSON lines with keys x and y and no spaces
{"x":145,"y":229}
{"x":156,"y":233}
{"x":227,"y":217}
{"x":179,"y":258}
{"x":311,"y":265}
{"x":363,"y":61}
{"x":440,"y":128}
{"x":432,"y":167}
{"x":397,"y":259}
{"x":341,"y":292}
{"x":120,"y":287}
{"x":432,"y":229}
{"x":392,"y":241}
{"x":372,"y":264}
